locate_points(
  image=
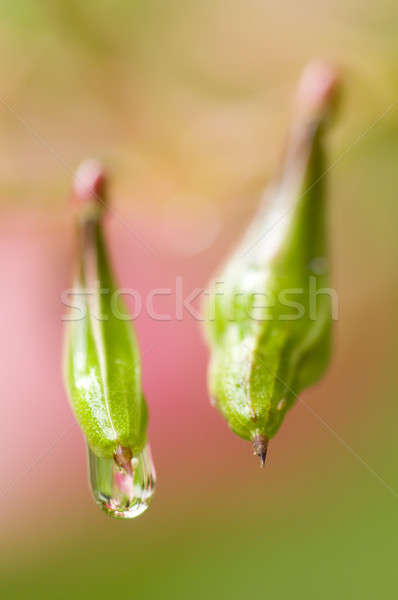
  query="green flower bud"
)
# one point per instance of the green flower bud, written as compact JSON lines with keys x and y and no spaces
{"x":268,"y":316}
{"x":102,"y":360}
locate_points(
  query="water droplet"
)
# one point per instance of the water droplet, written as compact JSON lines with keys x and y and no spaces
{"x":122,"y":488}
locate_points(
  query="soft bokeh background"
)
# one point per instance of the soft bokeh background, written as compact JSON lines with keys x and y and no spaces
{"x":188,"y":103}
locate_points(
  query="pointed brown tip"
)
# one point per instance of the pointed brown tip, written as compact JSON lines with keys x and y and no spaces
{"x":89,"y":184}
{"x":317,"y":88}
{"x":260,"y":447}
{"x":123,"y":457}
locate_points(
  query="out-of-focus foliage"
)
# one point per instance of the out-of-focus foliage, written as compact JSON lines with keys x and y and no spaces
{"x":191,"y":97}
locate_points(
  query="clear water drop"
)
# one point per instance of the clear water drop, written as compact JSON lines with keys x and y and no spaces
{"x":122,"y":488}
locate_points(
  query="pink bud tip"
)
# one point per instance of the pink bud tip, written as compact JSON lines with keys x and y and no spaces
{"x":89,"y":183}
{"x":317,"y":87}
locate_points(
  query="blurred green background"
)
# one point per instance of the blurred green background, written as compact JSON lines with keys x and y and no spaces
{"x":188,"y":104}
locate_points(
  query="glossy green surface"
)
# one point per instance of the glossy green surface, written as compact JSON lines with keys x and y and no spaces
{"x":269,"y":325}
{"x":102,"y":362}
